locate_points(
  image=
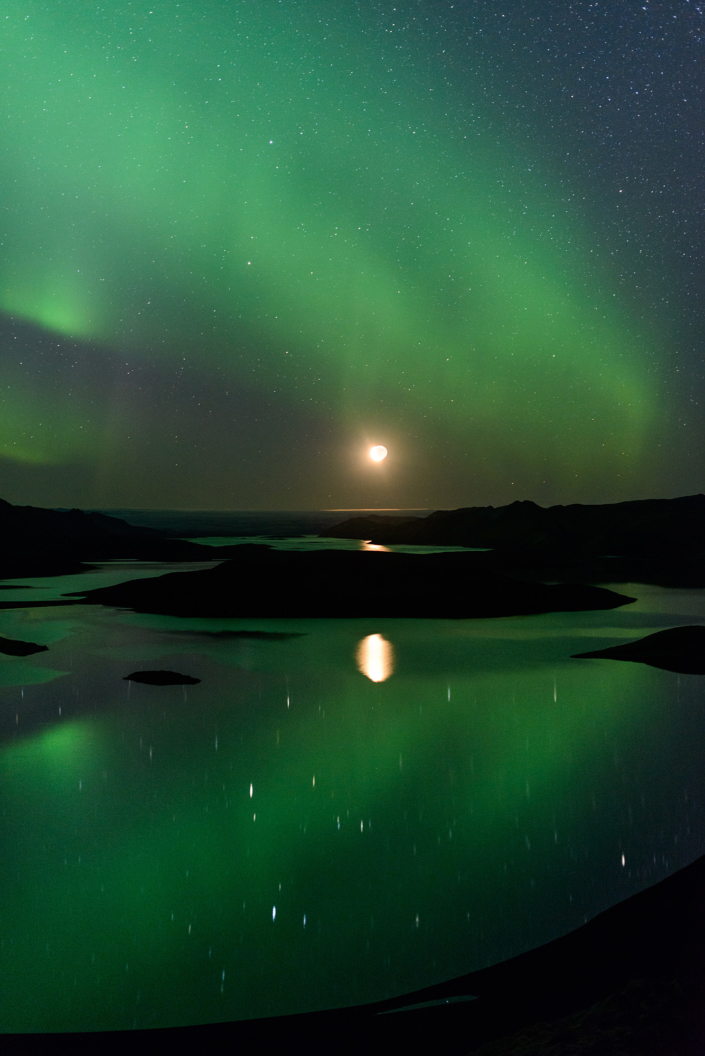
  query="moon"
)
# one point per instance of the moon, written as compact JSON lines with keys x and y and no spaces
{"x":378,"y":453}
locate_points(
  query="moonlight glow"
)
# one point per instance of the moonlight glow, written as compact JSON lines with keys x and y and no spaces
{"x":378,"y":453}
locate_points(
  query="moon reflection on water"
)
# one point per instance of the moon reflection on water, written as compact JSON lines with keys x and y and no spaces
{"x":375,"y":657}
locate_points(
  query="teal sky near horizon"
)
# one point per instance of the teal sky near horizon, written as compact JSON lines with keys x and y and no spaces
{"x":242,"y":242}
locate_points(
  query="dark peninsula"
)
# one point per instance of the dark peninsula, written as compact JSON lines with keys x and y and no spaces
{"x":259,"y":581}
{"x":680,"y":649}
{"x":648,"y":541}
{"x":15,"y":647}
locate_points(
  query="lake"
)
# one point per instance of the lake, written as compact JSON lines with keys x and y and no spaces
{"x":340,"y":811}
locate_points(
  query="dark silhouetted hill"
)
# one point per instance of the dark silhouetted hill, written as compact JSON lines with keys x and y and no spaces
{"x":41,"y":542}
{"x":655,"y":540}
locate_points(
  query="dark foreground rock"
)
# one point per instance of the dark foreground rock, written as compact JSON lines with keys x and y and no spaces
{"x":14,"y":647}
{"x":263,"y":582}
{"x":630,"y":982}
{"x":161,"y":678}
{"x":680,"y":649}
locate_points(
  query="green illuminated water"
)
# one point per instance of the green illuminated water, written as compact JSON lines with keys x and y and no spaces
{"x":289,"y":835}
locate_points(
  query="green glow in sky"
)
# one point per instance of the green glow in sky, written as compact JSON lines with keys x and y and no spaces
{"x":277,"y":198}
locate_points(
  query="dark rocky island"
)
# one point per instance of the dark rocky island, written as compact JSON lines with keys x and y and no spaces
{"x":262,"y":582}
{"x":680,"y":649}
{"x":649,"y":541}
{"x":161,"y":678}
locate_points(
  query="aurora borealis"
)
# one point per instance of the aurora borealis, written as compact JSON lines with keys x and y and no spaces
{"x":243,"y":241}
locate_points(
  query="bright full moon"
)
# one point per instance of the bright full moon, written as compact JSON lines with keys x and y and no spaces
{"x":378,"y":453}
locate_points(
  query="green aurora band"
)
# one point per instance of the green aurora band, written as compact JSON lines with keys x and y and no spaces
{"x":286,"y":197}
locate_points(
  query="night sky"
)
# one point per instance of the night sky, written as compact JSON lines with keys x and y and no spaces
{"x":244,"y":240}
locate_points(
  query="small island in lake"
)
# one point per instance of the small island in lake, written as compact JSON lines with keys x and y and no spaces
{"x":161,"y":678}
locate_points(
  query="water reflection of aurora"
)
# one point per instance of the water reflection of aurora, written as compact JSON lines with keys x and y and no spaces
{"x":474,"y":804}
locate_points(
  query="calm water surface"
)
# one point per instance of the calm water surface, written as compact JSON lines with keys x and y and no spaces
{"x":335,"y":817}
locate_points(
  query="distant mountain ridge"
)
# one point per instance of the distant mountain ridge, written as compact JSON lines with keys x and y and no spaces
{"x":621,"y":528}
{"x":650,"y":540}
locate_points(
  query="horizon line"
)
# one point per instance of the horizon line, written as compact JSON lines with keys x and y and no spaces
{"x":184,"y":509}
{"x":376,"y":509}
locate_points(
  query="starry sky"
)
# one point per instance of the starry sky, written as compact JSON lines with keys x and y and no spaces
{"x":244,"y":240}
